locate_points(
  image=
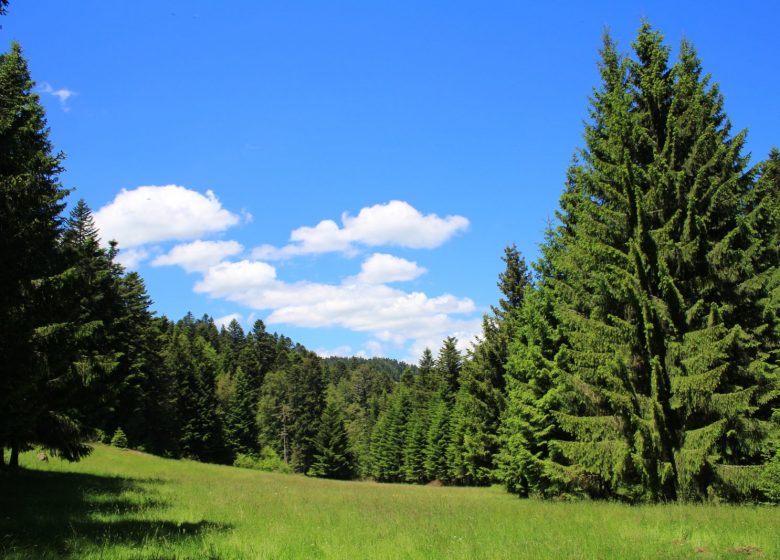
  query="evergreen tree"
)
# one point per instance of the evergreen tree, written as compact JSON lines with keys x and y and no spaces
{"x":332,"y":457}
{"x":662,"y":390}
{"x":427,"y":378}
{"x":137,"y":337}
{"x":30,"y":205}
{"x":291,"y":402}
{"x":448,"y":365}
{"x":479,"y":403}
{"x":388,"y":438}
{"x":436,"y":467}
{"x":240,"y":416}
{"x":414,"y":446}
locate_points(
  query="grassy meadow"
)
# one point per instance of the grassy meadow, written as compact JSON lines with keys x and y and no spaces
{"x":119,"y":504}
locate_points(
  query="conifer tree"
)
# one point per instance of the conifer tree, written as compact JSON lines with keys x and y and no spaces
{"x":662,"y":390}
{"x":332,"y":456}
{"x":240,"y":415}
{"x":448,"y":365}
{"x":30,"y":205}
{"x":437,"y":440}
{"x":479,"y":402}
{"x":389,"y":437}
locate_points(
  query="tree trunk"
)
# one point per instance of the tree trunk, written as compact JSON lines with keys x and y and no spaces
{"x":13,"y":462}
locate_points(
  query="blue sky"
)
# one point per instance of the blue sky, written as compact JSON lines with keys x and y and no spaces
{"x":349,"y":172}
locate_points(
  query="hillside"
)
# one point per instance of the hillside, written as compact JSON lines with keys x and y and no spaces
{"x":125,"y":504}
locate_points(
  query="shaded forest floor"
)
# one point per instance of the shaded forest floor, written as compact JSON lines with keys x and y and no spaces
{"x":129,"y":505}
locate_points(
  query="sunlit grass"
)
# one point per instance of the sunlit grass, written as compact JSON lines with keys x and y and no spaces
{"x":124,"y":504}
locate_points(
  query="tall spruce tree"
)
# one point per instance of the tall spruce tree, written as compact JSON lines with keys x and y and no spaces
{"x":30,"y":205}
{"x":662,"y":389}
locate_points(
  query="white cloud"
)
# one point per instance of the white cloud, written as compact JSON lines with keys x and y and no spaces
{"x":381,"y":268}
{"x":199,"y":256}
{"x":227,"y":319}
{"x":151,"y":214}
{"x":131,"y":258}
{"x":236,"y":281}
{"x":388,"y":314}
{"x":63,"y":94}
{"x":395,"y":223}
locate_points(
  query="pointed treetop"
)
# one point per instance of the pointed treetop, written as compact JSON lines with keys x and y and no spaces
{"x":512,"y":281}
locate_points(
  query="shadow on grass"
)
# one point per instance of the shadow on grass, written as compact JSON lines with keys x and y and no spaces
{"x":44,"y":514}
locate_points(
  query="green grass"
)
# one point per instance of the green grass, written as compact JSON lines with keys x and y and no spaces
{"x":125,"y":504}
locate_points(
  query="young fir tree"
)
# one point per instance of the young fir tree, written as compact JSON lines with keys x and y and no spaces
{"x":662,"y":392}
{"x":332,"y":456}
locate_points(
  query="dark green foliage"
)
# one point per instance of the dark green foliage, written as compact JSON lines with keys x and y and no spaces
{"x":389,"y":437}
{"x":30,"y":204}
{"x":414,"y":447}
{"x":660,"y":376}
{"x":475,"y":419}
{"x":360,"y":395}
{"x":291,"y":402}
{"x":437,"y":440}
{"x":332,"y":456}
{"x":448,"y":365}
{"x":240,"y":415}
{"x":193,"y":364}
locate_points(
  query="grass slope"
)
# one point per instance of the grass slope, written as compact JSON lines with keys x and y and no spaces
{"x":125,"y":504}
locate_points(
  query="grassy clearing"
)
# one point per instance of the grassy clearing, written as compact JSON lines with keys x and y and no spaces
{"x":125,"y":504}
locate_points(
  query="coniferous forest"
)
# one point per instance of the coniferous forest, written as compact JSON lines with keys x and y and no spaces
{"x":637,"y":359}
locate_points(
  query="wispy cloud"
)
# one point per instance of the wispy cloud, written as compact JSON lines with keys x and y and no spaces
{"x":63,"y":94}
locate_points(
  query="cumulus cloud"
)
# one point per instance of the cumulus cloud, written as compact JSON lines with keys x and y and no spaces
{"x":395,"y":223}
{"x":198,"y":256}
{"x":388,"y":314}
{"x":381,"y":268}
{"x":63,"y":94}
{"x":237,"y":281}
{"x":151,"y":214}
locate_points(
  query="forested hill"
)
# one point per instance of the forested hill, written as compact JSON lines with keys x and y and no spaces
{"x":638,"y":359}
{"x":338,"y":367}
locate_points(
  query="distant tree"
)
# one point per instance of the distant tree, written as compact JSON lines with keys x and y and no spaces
{"x":332,"y":456}
{"x":389,"y":437}
{"x":291,"y":401}
{"x":448,"y":365}
{"x":479,"y":403}
{"x":241,"y":415}
{"x":437,"y":440}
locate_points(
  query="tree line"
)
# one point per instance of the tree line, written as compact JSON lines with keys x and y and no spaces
{"x":636,"y":359}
